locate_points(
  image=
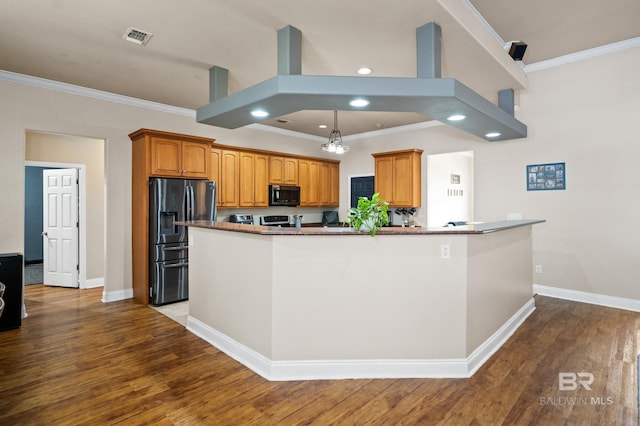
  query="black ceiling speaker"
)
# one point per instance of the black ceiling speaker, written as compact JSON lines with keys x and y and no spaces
{"x":517,"y":49}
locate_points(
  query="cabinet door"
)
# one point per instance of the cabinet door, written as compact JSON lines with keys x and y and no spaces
{"x":229,"y":191}
{"x":195,"y":159}
{"x":253,"y":180}
{"x":165,"y":157}
{"x":329,"y":184}
{"x":261,"y":181}
{"x":290,"y":171}
{"x":334,"y":185}
{"x":283,"y":170}
{"x":309,"y":179}
{"x":276,"y":170}
{"x":215,"y":172}
{"x":383,"y":181}
{"x":247,"y":179}
{"x":402,"y":181}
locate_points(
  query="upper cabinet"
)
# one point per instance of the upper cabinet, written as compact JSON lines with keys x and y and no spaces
{"x":283,"y":170}
{"x":398,"y":177}
{"x":174,"y":155}
{"x":329,"y":184}
{"x":254,"y":188}
{"x":225,"y":172}
{"x":309,"y":181}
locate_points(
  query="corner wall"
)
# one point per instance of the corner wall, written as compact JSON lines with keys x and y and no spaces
{"x":584,"y":114}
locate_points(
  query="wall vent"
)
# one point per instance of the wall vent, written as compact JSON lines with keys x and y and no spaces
{"x":136,"y":36}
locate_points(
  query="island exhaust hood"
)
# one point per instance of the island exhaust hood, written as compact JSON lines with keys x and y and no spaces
{"x":443,"y":99}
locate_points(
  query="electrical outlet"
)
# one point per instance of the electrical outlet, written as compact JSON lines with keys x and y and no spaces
{"x":538,"y":269}
{"x":445,"y":251}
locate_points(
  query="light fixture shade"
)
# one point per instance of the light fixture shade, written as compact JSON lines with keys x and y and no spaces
{"x":335,"y":144}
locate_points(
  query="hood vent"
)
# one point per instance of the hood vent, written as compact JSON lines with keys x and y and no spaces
{"x":136,"y":36}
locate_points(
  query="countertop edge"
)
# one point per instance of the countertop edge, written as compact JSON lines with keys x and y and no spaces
{"x":472,"y":229}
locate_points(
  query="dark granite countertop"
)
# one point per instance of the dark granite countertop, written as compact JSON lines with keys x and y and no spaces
{"x":475,"y":228}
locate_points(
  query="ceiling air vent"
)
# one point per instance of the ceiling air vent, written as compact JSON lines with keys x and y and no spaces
{"x":136,"y":36}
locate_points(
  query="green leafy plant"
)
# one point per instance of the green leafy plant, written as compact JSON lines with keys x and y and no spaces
{"x":369,"y":215}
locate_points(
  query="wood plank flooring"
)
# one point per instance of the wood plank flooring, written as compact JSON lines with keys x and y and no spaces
{"x":77,"y":361}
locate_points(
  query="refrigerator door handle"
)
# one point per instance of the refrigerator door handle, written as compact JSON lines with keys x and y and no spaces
{"x":178,"y":265}
{"x":174,"y":248}
{"x":193,"y":201}
{"x":187,"y":194}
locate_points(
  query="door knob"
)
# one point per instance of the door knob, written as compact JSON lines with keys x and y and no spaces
{"x":44,"y":234}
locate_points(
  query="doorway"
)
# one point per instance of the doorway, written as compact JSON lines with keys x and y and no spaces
{"x":449,"y":188}
{"x":51,"y":150}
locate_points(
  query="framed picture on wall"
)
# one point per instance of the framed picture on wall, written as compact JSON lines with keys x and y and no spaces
{"x":543,"y":177}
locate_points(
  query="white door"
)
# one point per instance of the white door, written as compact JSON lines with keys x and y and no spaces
{"x":60,"y":227}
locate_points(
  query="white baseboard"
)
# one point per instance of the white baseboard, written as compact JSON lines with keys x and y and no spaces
{"x":361,"y":368}
{"x":94,"y":282}
{"x":490,"y":346}
{"x":585,"y":297}
{"x":114,"y":296}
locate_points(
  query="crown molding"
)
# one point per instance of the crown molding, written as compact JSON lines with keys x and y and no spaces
{"x":583,"y":55}
{"x":92,"y":93}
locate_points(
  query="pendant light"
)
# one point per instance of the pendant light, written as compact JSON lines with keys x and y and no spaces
{"x":335,"y":139}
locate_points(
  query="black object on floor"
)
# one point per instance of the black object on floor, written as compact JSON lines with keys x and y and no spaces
{"x":11,"y":275}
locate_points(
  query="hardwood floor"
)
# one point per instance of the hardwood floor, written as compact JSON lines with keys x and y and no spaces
{"x":78,"y":361}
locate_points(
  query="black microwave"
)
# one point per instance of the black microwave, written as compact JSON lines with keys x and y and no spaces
{"x":284,"y":195}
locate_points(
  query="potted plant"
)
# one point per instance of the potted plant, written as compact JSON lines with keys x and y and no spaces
{"x":369,"y":215}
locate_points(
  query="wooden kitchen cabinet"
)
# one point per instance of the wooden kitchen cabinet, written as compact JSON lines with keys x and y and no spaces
{"x":398,"y":177}
{"x":177,"y":156}
{"x":225,"y":171}
{"x":243,"y":176}
{"x":254,"y":185}
{"x":329,"y":184}
{"x":309,"y":181}
{"x":158,"y":154}
{"x":283,"y":170}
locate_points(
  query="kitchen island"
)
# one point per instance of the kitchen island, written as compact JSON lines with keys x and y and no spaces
{"x":327,"y":303}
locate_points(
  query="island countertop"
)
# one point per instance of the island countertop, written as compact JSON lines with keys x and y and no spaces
{"x":475,"y":228}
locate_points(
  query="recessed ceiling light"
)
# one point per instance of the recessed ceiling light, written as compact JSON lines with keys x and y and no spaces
{"x":456,"y":117}
{"x":323,"y":126}
{"x":365,"y":71}
{"x":493,"y":134}
{"x":259,"y":113}
{"x":358,"y":103}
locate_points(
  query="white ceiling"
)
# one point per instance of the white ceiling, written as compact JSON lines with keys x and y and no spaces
{"x":80,"y":42}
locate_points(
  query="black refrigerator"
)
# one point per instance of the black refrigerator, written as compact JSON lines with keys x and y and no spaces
{"x":171,"y":201}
